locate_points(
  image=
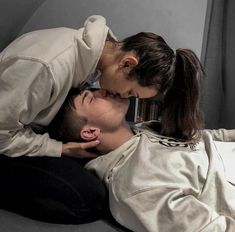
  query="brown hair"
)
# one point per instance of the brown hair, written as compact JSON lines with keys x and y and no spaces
{"x":67,"y":124}
{"x":176,"y":75}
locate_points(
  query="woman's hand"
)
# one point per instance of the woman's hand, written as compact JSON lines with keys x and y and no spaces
{"x":78,"y":150}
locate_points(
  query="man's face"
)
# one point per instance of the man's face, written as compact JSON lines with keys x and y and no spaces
{"x":101,"y":110}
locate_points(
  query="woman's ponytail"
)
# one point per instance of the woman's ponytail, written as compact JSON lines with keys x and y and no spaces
{"x":181,"y":116}
{"x":176,"y":75}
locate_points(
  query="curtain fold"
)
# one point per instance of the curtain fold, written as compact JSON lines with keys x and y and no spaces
{"x":218,"y":100}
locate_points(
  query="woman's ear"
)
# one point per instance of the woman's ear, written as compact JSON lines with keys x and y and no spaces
{"x":89,"y":133}
{"x":127,"y":63}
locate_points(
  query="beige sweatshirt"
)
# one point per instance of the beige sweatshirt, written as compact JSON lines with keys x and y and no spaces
{"x":36,"y":72}
{"x":157,"y":184}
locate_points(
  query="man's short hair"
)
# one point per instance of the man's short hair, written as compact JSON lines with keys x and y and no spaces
{"x":67,"y":124}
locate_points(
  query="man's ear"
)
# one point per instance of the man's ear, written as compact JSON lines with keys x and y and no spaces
{"x":89,"y":133}
{"x":127,"y":63}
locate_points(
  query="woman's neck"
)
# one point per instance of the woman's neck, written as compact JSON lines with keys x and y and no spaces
{"x":109,"y":56}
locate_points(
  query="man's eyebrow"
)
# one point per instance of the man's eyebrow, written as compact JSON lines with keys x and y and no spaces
{"x":83,"y":98}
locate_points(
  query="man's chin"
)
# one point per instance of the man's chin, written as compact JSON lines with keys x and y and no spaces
{"x":124,"y":103}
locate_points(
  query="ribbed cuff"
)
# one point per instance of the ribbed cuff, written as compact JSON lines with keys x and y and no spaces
{"x":54,"y":148}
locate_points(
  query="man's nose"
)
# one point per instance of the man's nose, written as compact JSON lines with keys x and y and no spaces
{"x":87,"y":92}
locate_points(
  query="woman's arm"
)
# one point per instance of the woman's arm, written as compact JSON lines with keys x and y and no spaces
{"x":25,"y":90}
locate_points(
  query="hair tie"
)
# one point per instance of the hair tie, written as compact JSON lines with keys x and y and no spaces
{"x":174,"y":51}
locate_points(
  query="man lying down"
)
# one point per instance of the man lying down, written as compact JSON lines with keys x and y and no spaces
{"x":155,"y":183}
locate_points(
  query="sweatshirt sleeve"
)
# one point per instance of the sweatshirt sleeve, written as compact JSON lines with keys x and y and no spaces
{"x":169,"y":209}
{"x":25,"y":90}
{"x":223,"y":135}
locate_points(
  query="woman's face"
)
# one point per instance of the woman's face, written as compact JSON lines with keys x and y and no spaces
{"x":115,"y":66}
{"x":115,"y":81}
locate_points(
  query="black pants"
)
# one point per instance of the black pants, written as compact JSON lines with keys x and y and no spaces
{"x":57,"y":190}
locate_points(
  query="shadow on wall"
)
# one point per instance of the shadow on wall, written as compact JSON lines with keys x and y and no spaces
{"x":181,"y":24}
{"x":14,"y":14}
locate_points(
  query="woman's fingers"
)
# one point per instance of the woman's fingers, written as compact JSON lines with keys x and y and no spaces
{"x":78,"y":150}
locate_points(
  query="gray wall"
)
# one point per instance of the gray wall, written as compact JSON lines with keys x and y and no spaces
{"x":180,"y":22}
{"x":13,"y":16}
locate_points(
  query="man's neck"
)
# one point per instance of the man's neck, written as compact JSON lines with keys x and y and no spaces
{"x":110,"y":141}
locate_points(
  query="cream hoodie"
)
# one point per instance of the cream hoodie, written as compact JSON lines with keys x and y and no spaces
{"x":36,"y":72}
{"x":157,"y":184}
